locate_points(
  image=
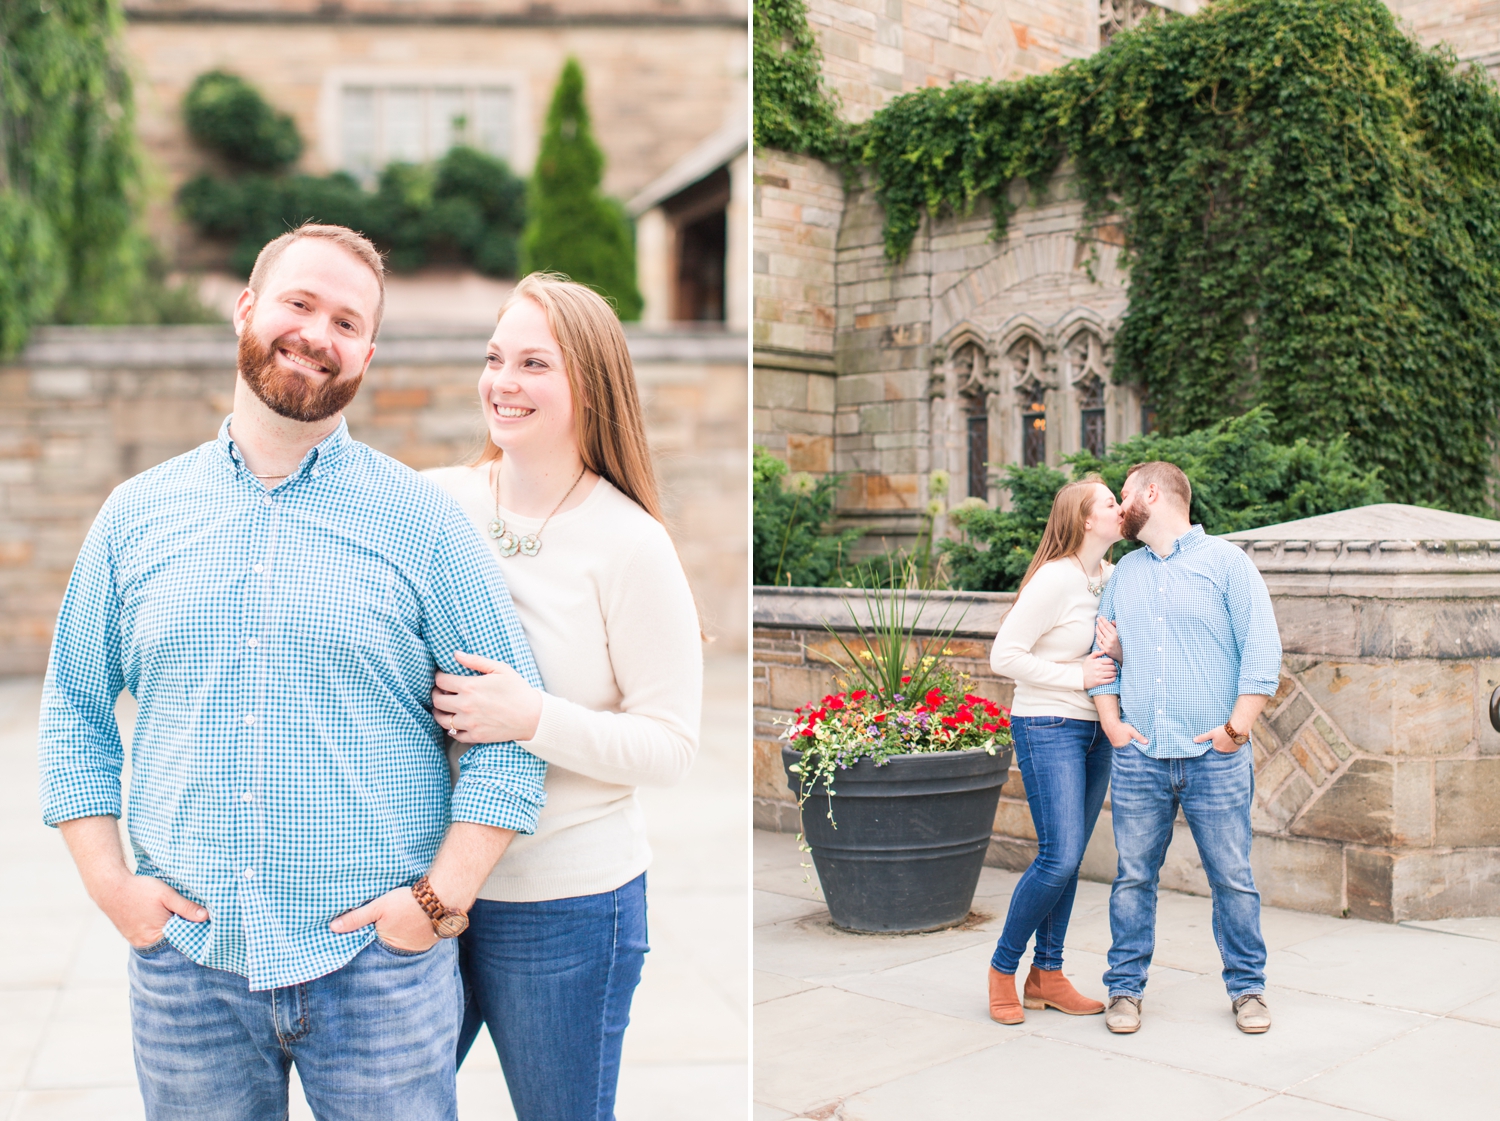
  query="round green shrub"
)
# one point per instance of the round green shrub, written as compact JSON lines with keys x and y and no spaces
{"x":228,"y":115}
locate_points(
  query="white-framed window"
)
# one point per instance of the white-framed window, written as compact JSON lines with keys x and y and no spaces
{"x":372,"y":117}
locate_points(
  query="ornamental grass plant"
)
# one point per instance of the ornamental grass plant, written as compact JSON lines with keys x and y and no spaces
{"x":896,"y":696}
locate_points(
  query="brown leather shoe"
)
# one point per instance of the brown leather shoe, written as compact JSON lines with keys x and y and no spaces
{"x":1048,"y":988}
{"x":1004,"y":1007}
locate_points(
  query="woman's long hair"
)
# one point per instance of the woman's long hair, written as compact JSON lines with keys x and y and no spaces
{"x":1063,"y":536}
{"x":606,"y":408}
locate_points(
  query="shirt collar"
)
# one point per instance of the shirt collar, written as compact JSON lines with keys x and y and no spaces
{"x":1184,"y":544}
{"x":321,"y":456}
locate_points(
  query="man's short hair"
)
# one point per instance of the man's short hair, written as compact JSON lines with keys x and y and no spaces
{"x":353,"y":243}
{"x":1169,"y":480}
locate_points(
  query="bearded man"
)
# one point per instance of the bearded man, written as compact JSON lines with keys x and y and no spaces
{"x":1201,"y":655}
{"x":277,"y":601}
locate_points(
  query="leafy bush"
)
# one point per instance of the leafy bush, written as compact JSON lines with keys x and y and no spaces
{"x":793,"y":109}
{"x":793,"y":545}
{"x":228,"y":115}
{"x":572,"y":228}
{"x":1241,"y":479}
{"x":467,"y":207}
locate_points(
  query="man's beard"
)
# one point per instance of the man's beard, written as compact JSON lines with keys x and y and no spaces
{"x":294,"y":396}
{"x":1133,"y":519}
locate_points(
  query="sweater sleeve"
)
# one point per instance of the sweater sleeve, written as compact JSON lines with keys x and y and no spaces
{"x":1036,"y":611}
{"x":655,"y":651}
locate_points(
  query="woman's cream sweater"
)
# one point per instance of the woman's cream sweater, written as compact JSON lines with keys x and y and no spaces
{"x":611,"y":621}
{"x":1044,"y":640}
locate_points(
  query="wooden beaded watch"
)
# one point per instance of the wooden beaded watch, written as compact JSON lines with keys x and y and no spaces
{"x":445,"y":920}
{"x":1238,"y":738}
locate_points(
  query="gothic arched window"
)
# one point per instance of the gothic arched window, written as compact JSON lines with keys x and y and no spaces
{"x":969,"y":364}
{"x":1091,"y":409}
{"x":1033,"y":424}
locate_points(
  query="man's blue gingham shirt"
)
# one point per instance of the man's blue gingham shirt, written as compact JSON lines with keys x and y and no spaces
{"x":1197,"y":630}
{"x":281,"y":646}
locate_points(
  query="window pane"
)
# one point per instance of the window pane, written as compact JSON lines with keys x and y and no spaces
{"x":403,"y":125}
{"x":448,"y":122}
{"x":492,"y":125}
{"x":1034,"y":433}
{"x":979,"y":453}
{"x":1093,"y":431}
{"x":358,"y":131}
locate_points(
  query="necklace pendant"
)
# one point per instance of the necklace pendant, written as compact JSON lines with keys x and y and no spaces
{"x":507,"y":544}
{"x":497,"y":528}
{"x":531,"y":545}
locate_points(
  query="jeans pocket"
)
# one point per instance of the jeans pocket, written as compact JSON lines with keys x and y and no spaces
{"x":397,"y":951}
{"x":155,"y":948}
{"x":1041,"y":723}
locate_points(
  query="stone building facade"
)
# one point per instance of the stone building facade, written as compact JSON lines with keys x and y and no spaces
{"x":971,"y":353}
{"x":82,"y":409}
{"x":370,"y":81}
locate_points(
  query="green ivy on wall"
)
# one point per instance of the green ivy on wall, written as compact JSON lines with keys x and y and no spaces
{"x":793,"y":109}
{"x":1310,"y":202}
{"x":71,"y":246}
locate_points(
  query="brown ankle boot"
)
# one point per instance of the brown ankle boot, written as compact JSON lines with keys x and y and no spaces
{"x":1004,"y":1007}
{"x":1048,"y":988}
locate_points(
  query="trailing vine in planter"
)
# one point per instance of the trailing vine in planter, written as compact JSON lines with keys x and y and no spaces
{"x":1310,"y":204}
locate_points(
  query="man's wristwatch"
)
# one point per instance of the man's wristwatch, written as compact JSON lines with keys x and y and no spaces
{"x":1239,"y":738}
{"x":445,"y":920}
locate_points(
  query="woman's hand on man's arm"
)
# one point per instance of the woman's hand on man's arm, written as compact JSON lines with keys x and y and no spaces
{"x":496,"y":706}
{"x":1107,"y":638}
{"x":1098,"y":669}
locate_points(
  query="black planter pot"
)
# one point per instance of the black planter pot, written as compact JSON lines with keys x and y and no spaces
{"x":909,"y":840}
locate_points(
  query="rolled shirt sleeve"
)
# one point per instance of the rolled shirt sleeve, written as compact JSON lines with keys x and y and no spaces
{"x":1107,"y":612}
{"x":1254,"y":622}
{"x":468,"y":608}
{"x":80,"y":753}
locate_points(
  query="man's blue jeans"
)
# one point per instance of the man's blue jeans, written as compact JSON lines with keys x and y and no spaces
{"x":372,"y":1041}
{"x":553,"y":980}
{"x":1065,"y":765}
{"x":1214,"y":790}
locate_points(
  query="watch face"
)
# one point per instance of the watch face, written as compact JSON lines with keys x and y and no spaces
{"x":450,"y":926}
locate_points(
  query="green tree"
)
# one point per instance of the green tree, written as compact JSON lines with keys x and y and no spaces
{"x":572,"y":228}
{"x":1241,"y":479}
{"x":792,"y":542}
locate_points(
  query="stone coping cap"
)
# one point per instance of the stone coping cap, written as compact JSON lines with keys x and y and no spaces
{"x":1387,"y":538}
{"x":977,"y":614}
{"x":214,"y":345}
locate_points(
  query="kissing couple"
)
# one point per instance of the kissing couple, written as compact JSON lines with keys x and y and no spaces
{"x":1143,"y":679}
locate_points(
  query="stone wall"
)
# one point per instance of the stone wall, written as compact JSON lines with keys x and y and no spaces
{"x":1377,"y":771}
{"x":876,"y":49}
{"x":799,"y":204}
{"x":82,"y":409}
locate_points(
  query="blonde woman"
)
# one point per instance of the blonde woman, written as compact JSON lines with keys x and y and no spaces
{"x":565,"y":495}
{"x":1044,"y":647}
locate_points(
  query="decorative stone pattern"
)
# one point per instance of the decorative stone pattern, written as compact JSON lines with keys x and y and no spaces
{"x":84,"y":409}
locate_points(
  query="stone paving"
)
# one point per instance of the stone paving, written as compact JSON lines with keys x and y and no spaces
{"x":64,"y":1017}
{"x":1399,"y":1022}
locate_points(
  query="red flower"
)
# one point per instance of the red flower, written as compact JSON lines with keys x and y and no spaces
{"x":963,"y":716}
{"x":935,"y":697}
{"x":991,"y":727}
{"x":808,"y":733}
{"x":906,"y":680}
{"x":858,"y":695}
{"x":950,"y":722}
{"x":837,"y":702}
{"x":1004,"y":723}
{"x":879,"y":717}
{"x":991,"y":708}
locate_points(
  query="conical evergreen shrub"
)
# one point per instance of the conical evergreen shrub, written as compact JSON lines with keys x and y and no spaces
{"x":572,"y":227}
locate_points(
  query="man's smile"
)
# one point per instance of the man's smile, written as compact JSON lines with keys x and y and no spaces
{"x":301,"y":360}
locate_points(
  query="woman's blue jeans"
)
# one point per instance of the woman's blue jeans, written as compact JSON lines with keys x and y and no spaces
{"x":1065,"y":765}
{"x":553,"y":980}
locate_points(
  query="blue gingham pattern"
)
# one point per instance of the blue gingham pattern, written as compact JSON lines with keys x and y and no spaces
{"x":281,"y":647}
{"x":1197,"y":630}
